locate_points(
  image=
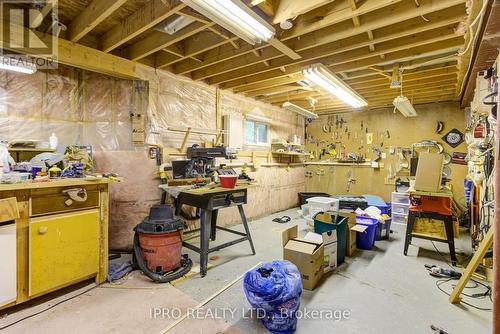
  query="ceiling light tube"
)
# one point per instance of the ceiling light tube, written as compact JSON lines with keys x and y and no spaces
{"x":323,"y":77}
{"x":21,"y":65}
{"x":236,"y":17}
{"x":299,"y":110}
{"x":404,"y":106}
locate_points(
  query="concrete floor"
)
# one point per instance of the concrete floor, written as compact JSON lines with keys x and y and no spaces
{"x":383,"y":290}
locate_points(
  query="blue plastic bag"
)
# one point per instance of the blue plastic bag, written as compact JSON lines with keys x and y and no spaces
{"x":274,"y":289}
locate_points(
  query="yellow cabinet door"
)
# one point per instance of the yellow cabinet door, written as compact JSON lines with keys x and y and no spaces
{"x":63,"y":250}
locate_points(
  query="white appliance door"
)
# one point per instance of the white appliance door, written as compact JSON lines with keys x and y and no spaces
{"x":8,"y":277}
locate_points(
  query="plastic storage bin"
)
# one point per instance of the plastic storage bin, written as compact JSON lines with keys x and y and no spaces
{"x":340,"y":225}
{"x":383,"y":230}
{"x":324,"y":203}
{"x":399,"y":218}
{"x":400,"y":198}
{"x":304,"y":196}
{"x":401,"y":209}
{"x":366,"y":239}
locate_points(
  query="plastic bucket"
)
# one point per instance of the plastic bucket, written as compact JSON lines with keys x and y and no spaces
{"x":340,"y":225}
{"x":228,"y":181}
{"x":366,"y":239}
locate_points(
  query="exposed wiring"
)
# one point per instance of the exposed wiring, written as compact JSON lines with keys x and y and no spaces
{"x":473,"y":23}
{"x":476,"y":285}
{"x":49,"y":308}
{"x":443,"y":281}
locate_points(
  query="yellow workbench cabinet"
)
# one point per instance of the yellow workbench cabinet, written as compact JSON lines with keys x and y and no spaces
{"x":54,"y":242}
{"x":63,"y":248}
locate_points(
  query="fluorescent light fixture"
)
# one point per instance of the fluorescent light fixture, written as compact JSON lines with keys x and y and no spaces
{"x":171,"y":26}
{"x":323,"y":77}
{"x":404,"y":106}
{"x":236,"y":17}
{"x":299,"y":110}
{"x":17,"y":64}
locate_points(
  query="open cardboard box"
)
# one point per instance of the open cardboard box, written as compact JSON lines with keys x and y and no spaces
{"x":307,"y":255}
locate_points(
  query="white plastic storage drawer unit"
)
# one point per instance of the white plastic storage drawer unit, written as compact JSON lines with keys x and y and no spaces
{"x":400,"y":208}
{"x":399,"y":218}
{"x":400,"y":198}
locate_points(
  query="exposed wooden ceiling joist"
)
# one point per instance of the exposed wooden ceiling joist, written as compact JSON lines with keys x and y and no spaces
{"x":96,"y":12}
{"x":145,"y":18}
{"x":243,"y":66}
{"x":353,"y":60}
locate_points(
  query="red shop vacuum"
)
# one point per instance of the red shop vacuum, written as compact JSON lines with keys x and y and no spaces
{"x":158,"y":245}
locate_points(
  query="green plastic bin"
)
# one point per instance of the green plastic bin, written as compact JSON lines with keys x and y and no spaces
{"x":340,"y":225}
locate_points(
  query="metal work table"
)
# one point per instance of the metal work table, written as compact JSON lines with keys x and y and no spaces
{"x":210,"y":201}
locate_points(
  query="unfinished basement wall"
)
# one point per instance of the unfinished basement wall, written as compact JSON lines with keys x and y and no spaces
{"x":83,"y":107}
{"x":403,"y":133}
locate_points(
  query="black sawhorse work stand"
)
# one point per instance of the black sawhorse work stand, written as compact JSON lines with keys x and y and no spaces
{"x":448,"y":223}
{"x":210,"y":201}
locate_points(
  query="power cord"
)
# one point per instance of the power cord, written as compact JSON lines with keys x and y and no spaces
{"x":49,"y":308}
{"x":483,"y":295}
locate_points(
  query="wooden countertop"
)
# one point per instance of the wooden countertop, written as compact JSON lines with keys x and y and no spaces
{"x":53,"y":183}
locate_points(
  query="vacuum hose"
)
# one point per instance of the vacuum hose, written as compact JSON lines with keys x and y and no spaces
{"x":185,"y":267}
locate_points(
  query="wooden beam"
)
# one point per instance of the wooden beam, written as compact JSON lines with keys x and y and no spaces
{"x":146,"y":17}
{"x":158,"y":40}
{"x":341,"y":11}
{"x":195,"y":45}
{"x":96,"y":12}
{"x":227,"y":53}
{"x":279,"y":45}
{"x":355,"y":19}
{"x":243,"y":66}
{"x":80,"y":56}
{"x":287,"y":9}
{"x":278,"y":89}
{"x":416,"y":83}
{"x":359,"y":58}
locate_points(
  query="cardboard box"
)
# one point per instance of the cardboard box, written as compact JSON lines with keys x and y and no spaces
{"x":330,"y":244}
{"x":306,"y":255}
{"x":351,"y":235}
{"x":429,"y":172}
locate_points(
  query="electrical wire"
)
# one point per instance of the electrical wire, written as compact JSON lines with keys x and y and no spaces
{"x":443,"y":281}
{"x":476,"y":285}
{"x":49,"y":308}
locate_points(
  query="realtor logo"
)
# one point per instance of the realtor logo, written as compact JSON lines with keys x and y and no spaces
{"x":28,"y":32}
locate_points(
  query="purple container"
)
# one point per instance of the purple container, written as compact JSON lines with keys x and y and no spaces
{"x":366,"y":239}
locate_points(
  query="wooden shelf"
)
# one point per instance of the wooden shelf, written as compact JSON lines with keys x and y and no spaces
{"x":291,"y":153}
{"x":15,"y":149}
{"x":319,"y":163}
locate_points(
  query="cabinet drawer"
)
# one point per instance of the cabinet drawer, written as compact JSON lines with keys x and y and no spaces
{"x":56,"y":203}
{"x":63,"y":249}
{"x":8,"y":270}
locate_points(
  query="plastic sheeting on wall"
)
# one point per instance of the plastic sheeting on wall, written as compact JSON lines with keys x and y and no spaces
{"x":80,"y":107}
